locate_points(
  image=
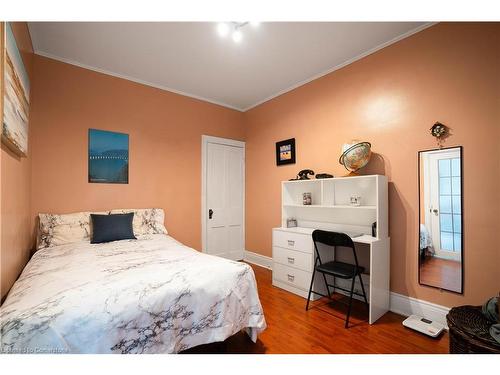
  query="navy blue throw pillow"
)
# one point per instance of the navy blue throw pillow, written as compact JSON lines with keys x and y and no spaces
{"x":107,"y":228}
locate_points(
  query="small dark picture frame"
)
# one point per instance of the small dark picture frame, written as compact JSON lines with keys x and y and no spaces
{"x":285,"y":152}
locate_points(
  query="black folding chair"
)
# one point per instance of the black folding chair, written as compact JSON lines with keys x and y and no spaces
{"x":335,"y":268}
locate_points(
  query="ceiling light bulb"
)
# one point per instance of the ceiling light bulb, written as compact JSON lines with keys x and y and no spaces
{"x":237,"y":36}
{"x":223,"y":29}
{"x":255,"y":24}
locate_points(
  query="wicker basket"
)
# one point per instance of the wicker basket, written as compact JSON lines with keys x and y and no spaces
{"x":469,"y":331}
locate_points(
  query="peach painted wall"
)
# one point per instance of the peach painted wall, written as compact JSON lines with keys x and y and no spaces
{"x":165,"y":132}
{"x":448,"y":73}
{"x":15,"y":227}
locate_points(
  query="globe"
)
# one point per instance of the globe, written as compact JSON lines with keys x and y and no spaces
{"x":355,"y":156}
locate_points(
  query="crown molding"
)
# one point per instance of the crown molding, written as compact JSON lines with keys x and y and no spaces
{"x":348,"y":62}
{"x":279,"y":93}
{"x":133,"y":79}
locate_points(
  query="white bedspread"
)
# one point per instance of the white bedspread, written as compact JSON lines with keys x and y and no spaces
{"x":425,"y":239}
{"x":152,"y":295}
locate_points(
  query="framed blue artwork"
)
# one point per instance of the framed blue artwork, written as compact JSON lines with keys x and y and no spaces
{"x":108,"y":157}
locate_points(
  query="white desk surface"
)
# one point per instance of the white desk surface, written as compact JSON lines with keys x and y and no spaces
{"x":366,"y":239}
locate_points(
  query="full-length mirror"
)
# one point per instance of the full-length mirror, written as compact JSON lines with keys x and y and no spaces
{"x":440,"y":250}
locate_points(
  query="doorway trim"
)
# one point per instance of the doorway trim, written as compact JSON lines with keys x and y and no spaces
{"x":205,"y":140}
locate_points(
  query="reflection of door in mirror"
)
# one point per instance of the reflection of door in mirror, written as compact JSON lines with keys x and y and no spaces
{"x":440,"y":249}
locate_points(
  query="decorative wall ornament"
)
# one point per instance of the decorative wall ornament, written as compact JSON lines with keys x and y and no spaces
{"x":16,"y":96}
{"x":108,"y":157}
{"x":440,"y":131}
{"x":285,"y":152}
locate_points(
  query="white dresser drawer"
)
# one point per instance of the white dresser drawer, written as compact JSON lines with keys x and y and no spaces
{"x":298,"y":278}
{"x":293,"y":241}
{"x":292,"y":258}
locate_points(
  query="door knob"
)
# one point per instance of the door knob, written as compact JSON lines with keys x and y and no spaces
{"x":210,"y":213}
{"x":435,"y":211}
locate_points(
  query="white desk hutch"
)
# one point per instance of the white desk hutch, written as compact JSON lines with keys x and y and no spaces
{"x":293,"y":248}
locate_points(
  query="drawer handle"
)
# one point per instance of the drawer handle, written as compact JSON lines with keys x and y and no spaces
{"x":291,"y":243}
{"x":291,"y":260}
{"x":291,"y":278}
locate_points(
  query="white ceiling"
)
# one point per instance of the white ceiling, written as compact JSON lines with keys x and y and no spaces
{"x":191,"y":59}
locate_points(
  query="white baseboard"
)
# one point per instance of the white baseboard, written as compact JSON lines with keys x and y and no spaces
{"x":258,"y":259}
{"x":407,"y":306}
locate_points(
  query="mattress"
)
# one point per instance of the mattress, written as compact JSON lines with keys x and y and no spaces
{"x":151,"y":295}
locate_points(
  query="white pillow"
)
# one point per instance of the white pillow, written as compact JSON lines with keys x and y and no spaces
{"x":146,"y":220}
{"x":56,"y":229}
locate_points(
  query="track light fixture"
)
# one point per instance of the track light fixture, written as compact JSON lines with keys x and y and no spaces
{"x":234,"y":29}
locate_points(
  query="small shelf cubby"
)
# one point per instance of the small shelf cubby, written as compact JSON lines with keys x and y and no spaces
{"x":331,"y":203}
{"x":328,"y":192}
{"x":365,"y":187}
{"x":293,"y":192}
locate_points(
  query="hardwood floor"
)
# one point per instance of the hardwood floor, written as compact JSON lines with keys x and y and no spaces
{"x":292,"y":330}
{"x":441,"y":273}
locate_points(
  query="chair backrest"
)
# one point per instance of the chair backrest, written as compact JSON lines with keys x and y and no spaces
{"x":333,"y":239}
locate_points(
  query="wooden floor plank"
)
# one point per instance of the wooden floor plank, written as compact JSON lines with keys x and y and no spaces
{"x":441,"y":273}
{"x":292,"y":330}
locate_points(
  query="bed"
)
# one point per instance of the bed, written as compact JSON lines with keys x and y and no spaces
{"x":150,"y":295}
{"x":426,"y":247}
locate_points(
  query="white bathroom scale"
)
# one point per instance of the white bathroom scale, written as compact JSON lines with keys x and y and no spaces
{"x":425,"y":326}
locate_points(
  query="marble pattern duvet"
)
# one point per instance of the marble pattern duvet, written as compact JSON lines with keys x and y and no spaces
{"x":151,"y":295}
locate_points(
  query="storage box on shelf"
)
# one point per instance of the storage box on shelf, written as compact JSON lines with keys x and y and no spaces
{"x":293,"y":249}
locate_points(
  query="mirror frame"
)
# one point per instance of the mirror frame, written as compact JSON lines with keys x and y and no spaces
{"x":462,"y":218}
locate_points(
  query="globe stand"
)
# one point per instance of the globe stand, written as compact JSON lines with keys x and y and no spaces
{"x":352,"y":174}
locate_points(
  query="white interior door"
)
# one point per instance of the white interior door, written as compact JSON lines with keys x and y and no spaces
{"x":444,"y":203}
{"x":224,"y":200}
